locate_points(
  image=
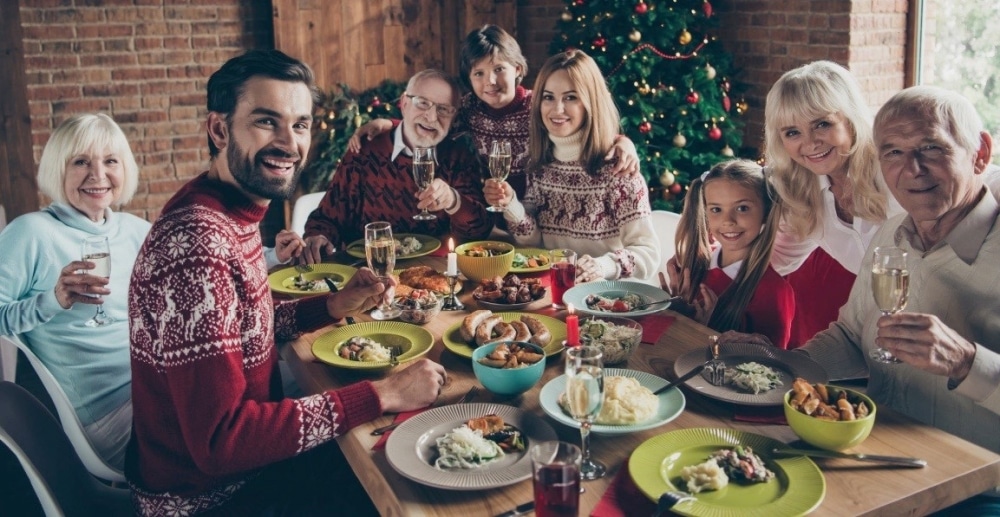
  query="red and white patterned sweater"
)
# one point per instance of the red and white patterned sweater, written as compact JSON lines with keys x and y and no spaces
{"x":509,"y":123}
{"x":209,"y":412}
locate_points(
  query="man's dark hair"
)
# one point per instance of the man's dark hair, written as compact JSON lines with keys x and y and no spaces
{"x":227,"y":84}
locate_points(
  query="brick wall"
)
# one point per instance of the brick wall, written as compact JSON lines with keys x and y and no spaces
{"x":144,"y":63}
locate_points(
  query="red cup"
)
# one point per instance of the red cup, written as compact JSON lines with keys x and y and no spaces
{"x":556,"y":479}
{"x":563,"y":275}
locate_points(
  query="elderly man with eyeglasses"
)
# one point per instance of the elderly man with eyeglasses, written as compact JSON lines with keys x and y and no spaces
{"x":377,"y":184}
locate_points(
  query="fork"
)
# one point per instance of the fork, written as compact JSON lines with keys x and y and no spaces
{"x":715,"y":367}
{"x":303,"y":268}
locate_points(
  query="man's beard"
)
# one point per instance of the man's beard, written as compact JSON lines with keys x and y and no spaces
{"x":251,"y":176}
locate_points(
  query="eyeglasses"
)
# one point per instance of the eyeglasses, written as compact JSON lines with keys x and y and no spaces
{"x":422,"y":104}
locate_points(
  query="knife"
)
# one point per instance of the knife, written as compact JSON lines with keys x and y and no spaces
{"x":333,"y":288}
{"x":520,"y":509}
{"x":896,"y":460}
{"x":694,"y":371}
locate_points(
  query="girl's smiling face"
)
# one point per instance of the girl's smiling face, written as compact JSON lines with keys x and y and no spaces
{"x":93,"y":182}
{"x":494,"y":82}
{"x":735,"y":216}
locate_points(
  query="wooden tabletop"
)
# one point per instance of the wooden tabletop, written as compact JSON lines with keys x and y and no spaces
{"x":956,"y":469}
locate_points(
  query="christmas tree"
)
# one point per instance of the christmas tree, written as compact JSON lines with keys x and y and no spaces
{"x":671,"y":79}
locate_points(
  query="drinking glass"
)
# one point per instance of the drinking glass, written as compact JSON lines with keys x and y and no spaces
{"x":423,"y":175}
{"x":563,"y":275}
{"x":890,"y":286}
{"x":585,"y":394}
{"x":380,"y":248}
{"x":98,"y":251}
{"x":555,"y":468}
{"x":499,"y":166}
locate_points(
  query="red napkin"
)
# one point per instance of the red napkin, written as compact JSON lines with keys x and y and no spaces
{"x":400,"y":418}
{"x":654,"y":325}
{"x":623,"y":499}
{"x":761,"y":415}
{"x":440,"y":252}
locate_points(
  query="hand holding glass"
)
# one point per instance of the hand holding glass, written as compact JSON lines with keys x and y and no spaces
{"x":890,"y":287}
{"x":98,"y":251}
{"x":423,"y":175}
{"x":585,"y":395}
{"x":380,"y":249}
{"x":500,"y":159}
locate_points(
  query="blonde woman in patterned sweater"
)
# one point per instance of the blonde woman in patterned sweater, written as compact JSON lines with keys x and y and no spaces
{"x":574,"y":200}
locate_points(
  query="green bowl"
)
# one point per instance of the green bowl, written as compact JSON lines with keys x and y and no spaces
{"x":507,"y":381}
{"x":830,"y":435}
{"x":478,"y":269}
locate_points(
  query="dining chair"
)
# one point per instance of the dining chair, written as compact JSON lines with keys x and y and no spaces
{"x":303,"y":207}
{"x":665,"y":224}
{"x":60,"y":481}
{"x":8,"y":352}
{"x":67,"y":417}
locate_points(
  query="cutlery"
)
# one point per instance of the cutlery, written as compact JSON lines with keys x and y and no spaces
{"x":716,"y":367}
{"x":520,"y":509}
{"x":303,"y":268}
{"x":469,"y":395}
{"x":694,"y":371}
{"x":670,"y":300}
{"x":896,"y":460}
{"x":333,"y":288}
{"x":670,"y":499}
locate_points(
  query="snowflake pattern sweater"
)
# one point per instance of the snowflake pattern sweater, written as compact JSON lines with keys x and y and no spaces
{"x":209,"y":412}
{"x":509,"y":123}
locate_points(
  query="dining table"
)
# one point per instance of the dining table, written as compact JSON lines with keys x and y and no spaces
{"x":956,"y":469}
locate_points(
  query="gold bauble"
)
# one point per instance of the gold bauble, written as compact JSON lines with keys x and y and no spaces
{"x":667,"y":178}
{"x":727,"y":152}
{"x":680,"y":140}
{"x":685,"y":37}
{"x":709,"y":72}
{"x":644,"y":89}
{"x":357,"y":120}
{"x":635,"y":36}
{"x":566,"y":16}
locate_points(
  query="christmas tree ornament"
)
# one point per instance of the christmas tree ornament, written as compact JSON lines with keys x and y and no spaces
{"x":742,"y":106}
{"x":685,"y":37}
{"x":675,"y":188}
{"x":709,"y":72}
{"x":680,"y":140}
{"x":641,"y":8}
{"x":645,"y":127}
{"x":707,"y":9}
{"x":727,"y":151}
{"x":566,"y":16}
{"x":376,"y":102}
{"x":579,"y":3}
{"x":692,"y":97}
{"x":726,"y":103}
{"x":600,"y":41}
{"x":644,"y":89}
{"x":725,"y":84}
{"x":635,"y":35}
{"x":667,"y":178}
{"x":715,"y":133}
{"x":357,"y":120}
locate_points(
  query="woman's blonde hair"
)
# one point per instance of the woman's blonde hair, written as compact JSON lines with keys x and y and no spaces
{"x":83,"y":134}
{"x":813,"y":91}
{"x":600,"y":126}
{"x":692,"y":241}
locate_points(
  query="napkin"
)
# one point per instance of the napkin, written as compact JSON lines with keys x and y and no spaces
{"x":623,"y":499}
{"x":440,"y":252}
{"x":654,"y":325}
{"x":400,"y":418}
{"x":761,"y":415}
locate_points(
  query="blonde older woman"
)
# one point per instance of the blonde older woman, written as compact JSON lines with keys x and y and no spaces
{"x":48,"y":295}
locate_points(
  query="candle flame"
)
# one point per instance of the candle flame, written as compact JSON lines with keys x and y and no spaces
{"x":451,"y":244}
{"x":569,"y":308}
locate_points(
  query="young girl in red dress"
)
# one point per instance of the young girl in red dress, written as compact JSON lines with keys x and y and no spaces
{"x":733,"y":286}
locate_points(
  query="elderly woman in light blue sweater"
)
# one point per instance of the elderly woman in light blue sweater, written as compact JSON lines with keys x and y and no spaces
{"x":47,"y":294}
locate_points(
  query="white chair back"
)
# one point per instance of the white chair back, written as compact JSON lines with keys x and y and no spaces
{"x":67,"y":416}
{"x":665,"y":224}
{"x":303,"y":207}
{"x":8,"y":353}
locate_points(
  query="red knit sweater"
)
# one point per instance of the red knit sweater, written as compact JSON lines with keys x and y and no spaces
{"x":208,"y":407}
{"x":770,"y":310}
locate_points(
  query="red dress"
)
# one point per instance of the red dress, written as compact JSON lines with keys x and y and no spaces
{"x":821,"y":287}
{"x":770,"y":309}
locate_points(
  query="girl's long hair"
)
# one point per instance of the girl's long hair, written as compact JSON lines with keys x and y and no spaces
{"x":694,"y":252}
{"x":600,"y":126}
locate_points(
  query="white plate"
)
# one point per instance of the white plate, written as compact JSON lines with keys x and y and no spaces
{"x":412,"y":447}
{"x":577,"y":295}
{"x":787,"y":364}
{"x":671,"y":402}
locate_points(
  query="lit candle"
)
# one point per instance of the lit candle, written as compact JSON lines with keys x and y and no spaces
{"x":452,"y":259}
{"x":572,"y":327}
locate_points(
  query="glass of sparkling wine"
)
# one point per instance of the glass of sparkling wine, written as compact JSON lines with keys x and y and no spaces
{"x":423,"y":175}
{"x":585,"y":394}
{"x":380,"y":249}
{"x":499,"y":166}
{"x":890,"y":286}
{"x":98,"y":251}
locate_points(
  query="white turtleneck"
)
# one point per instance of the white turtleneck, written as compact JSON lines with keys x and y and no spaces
{"x":567,"y":148}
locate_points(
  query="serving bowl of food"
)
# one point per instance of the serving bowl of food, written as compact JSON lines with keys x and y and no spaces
{"x":508,"y":367}
{"x":829,"y":417}
{"x":419,"y":306}
{"x":616,"y":337}
{"x":479,"y":260}
{"x":510,"y":292}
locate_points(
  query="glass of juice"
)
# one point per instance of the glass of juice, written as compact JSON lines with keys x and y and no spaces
{"x":555,"y":468}
{"x":563,"y":275}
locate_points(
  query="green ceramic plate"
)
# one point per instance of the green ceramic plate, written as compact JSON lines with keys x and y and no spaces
{"x":283,"y":280}
{"x":530,"y":252}
{"x":655,"y":466}
{"x":415,"y":342}
{"x":430,"y":245}
{"x":453,"y":341}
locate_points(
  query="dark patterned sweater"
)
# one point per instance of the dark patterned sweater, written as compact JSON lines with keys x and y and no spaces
{"x":508,"y":123}
{"x":368,"y":186}
{"x":209,"y":412}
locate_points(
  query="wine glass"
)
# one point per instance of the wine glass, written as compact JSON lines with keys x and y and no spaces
{"x":98,"y":251}
{"x":380,"y":248}
{"x":423,"y":175}
{"x":499,"y":166}
{"x":585,"y":394}
{"x":890,"y":286}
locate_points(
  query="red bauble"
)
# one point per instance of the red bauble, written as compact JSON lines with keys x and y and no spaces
{"x":579,"y":2}
{"x":693,"y":97}
{"x":715,"y":133}
{"x":726,"y":103}
{"x":376,"y":103}
{"x":600,"y":41}
{"x":707,"y":9}
{"x":645,"y":127}
{"x":641,"y":8}
{"x":675,"y":188}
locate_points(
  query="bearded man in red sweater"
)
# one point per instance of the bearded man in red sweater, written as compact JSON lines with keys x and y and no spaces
{"x":212,"y":431}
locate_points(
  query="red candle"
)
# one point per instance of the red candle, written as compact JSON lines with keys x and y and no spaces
{"x":572,"y":327}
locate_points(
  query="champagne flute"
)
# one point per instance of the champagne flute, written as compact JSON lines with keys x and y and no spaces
{"x":890,"y":286}
{"x":499,"y":166}
{"x":98,"y":251}
{"x":380,"y":249}
{"x":423,"y":175}
{"x":585,"y":394}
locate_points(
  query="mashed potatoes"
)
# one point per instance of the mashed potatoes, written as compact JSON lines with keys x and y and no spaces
{"x":704,"y":476}
{"x":626,"y":402}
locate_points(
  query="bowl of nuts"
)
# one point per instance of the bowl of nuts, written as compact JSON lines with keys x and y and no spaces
{"x":419,"y":306}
